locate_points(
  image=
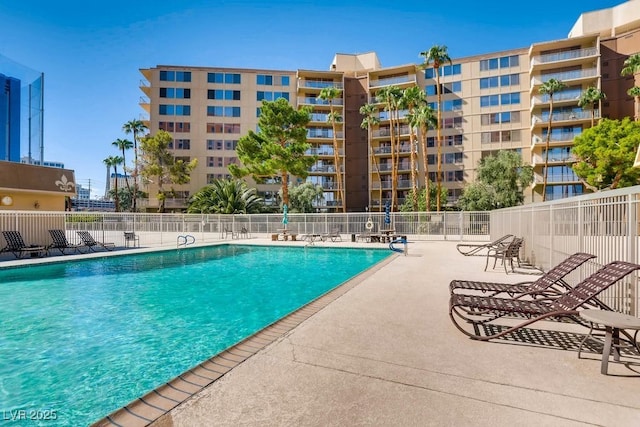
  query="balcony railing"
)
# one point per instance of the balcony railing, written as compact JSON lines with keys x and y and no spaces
{"x":555,"y":158}
{"x":557,"y":97}
{"x":310,"y":100}
{"x":324,"y":169}
{"x":564,"y":116}
{"x":318,"y":84}
{"x":555,"y":137}
{"x":322,"y":152}
{"x":322,"y":133}
{"x":564,"y":55}
{"x":565,"y":76}
{"x":393,"y":81}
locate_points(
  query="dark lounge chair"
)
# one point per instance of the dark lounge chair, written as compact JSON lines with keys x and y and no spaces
{"x":61,"y":243}
{"x":16,"y":245}
{"x":91,"y":243}
{"x":479,"y":310}
{"x":549,"y":283}
{"x":470,"y":249}
{"x":333,"y":235}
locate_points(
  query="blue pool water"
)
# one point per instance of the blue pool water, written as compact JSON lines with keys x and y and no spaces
{"x":81,"y":339}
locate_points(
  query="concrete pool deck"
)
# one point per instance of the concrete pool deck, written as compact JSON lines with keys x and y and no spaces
{"x":386,"y":353}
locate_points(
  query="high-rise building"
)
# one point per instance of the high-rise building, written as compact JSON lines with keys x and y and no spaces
{"x":9,"y":118}
{"x":490,"y":102}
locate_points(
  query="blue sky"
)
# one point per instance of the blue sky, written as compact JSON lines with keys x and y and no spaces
{"x":91,"y":51}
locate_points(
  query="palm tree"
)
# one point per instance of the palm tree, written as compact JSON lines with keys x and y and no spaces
{"x":329,"y":94}
{"x":549,"y":87}
{"x":123,"y":145}
{"x":437,"y":56}
{"x":590,"y":98}
{"x":225,"y":196}
{"x":114,"y":161}
{"x":137,"y":127}
{"x":370,"y":119}
{"x":390,"y":96}
{"x":631,"y":65}
{"x":412,"y":98}
{"x":635,"y":92}
{"x":424,"y":118}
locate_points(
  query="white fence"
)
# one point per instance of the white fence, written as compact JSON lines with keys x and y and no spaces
{"x":163,"y":229}
{"x":604,"y":224}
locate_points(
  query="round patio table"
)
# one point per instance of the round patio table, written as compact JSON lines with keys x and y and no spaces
{"x":613,"y":322}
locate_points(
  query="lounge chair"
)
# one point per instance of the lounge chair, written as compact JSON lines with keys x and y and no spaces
{"x":333,"y":235}
{"x":91,"y":243}
{"x":61,"y":243}
{"x":244,"y":232}
{"x":480,"y":310}
{"x":16,"y":245}
{"x":550,"y":282}
{"x":471,"y":249}
{"x":506,"y":253}
{"x":226,"y":231}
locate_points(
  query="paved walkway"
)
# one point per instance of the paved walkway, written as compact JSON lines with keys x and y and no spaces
{"x":386,"y":354}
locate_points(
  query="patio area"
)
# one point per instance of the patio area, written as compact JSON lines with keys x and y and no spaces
{"x":386,"y":353}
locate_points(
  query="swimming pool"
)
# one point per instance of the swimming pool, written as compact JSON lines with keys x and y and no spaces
{"x":81,"y":339}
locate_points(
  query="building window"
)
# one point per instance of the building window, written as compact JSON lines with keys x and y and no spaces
{"x":447,"y":70}
{"x":264,"y":79}
{"x":228,"y":78}
{"x":180,"y":144}
{"x":488,"y":82}
{"x":510,"y":98}
{"x":452,"y":122}
{"x":510,"y":80}
{"x":502,"y":62}
{"x":489,"y":101}
{"x":271,"y":96}
{"x":284,"y":80}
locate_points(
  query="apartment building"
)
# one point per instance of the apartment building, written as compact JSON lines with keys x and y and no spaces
{"x":490,"y":102}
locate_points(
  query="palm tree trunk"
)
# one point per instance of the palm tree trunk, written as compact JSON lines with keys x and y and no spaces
{"x":414,"y":185}
{"x":116,"y":197}
{"x":393,"y":160}
{"x":546,"y":156}
{"x":636,"y":103}
{"x":425,"y":163}
{"x":135,"y":172}
{"x":375,"y":164}
{"x":439,"y":142}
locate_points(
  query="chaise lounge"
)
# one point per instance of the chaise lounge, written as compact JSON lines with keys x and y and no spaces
{"x":550,"y":282}
{"x":471,"y":249}
{"x":61,"y":243}
{"x":16,"y":245}
{"x":91,"y":243}
{"x":479,"y":310}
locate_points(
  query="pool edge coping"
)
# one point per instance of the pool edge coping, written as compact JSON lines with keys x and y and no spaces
{"x":154,"y":406}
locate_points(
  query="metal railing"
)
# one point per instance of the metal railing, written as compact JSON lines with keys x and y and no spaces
{"x":604,"y":224}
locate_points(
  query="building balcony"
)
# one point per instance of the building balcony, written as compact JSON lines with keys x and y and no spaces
{"x":570,"y":178}
{"x":322,"y":134}
{"x":574,"y":116}
{"x":557,"y":139}
{"x":559,"y":99}
{"x":318,"y":169}
{"x":568,"y":77}
{"x":310,"y":100}
{"x":398,"y":80}
{"x":568,"y":56}
{"x":538,"y":159}
{"x":318,"y":84}
{"x":323,"y":152}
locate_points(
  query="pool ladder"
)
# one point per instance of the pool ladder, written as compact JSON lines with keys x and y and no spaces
{"x":185,"y":240}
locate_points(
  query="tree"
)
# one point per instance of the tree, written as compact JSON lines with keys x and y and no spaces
{"x":279,"y":148}
{"x":500,"y":183}
{"x":136,"y":127}
{"x":549,"y":87}
{"x":412,"y":98}
{"x":631,"y":65}
{"x":125,"y":197}
{"x":390,"y":96}
{"x":124,"y":145}
{"x":605,"y":154}
{"x":301,"y":197}
{"x":113,"y":162}
{"x":329,"y":94}
{"x":160,"y":167}
{"x":591,"y":98}
{"x":437,"y":56}
{"x":407,"y":206}
{"x":225,"y":196}
{"x":370,"y":119}
{"x":635,"y":92}
{"x":423,"y":118}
